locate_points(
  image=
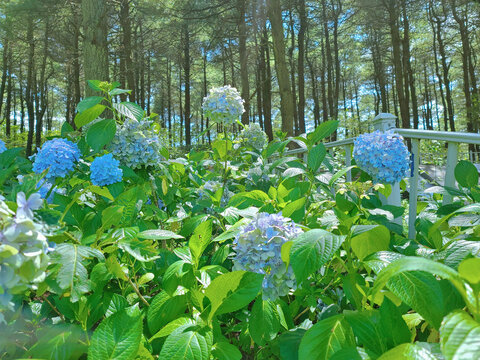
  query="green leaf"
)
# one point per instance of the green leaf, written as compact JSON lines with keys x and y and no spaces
{"x":290,"y":342}
{"x":117,"y":337}
{"x":73,"y":275}
{"x":460,"y":336}
{"x":200,"y":239}
{"x":325,"y":338}
{"x":315,"y":157}
{"x":89,"y":102}
{"x":412,"y":279}
{"x":90,"y":114}
{"x":408,"y":352}
{"x":129,"y":110}
{"x":226,"y":351}
{"x":222,"y":147}
{"x":94,"y":84}
{"x":188,"y":342}
{"x":111,"y":216}
{"x":311,"y":250}
{"x":159,"y":235}
{"x":466,"y":174}
{"x":164,"y":309}
{"x":469,"y":269}
{"x":295,"y":210}
{"x":232,"y":291}
{"x":325,"y":129}
{"x":118,"y":91}
{"x":101,"y":133}
{"x":368,"y":239}
{"x":171,"y":326}
{"x":66,"y":129}
{"x":264,"y":322}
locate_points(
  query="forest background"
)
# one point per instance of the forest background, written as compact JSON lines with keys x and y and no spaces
{"x":297,"y":63}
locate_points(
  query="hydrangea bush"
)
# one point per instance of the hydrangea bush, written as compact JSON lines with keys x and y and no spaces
{"x":136,"y":145}
{"x":292,"y":268}
{"x":105,"y":170}
{"x":58,"y":156}
{"x":383,"y":155}
{"x":258,"y":249}
{"x":254,"y":137}
{"x":223,"y":104}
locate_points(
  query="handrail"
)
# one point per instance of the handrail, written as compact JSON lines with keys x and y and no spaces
{"x":453,"y":139}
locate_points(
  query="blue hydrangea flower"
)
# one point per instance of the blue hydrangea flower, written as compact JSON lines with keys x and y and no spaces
{"x":105,"y":170}
{"x":383,"y":155}
{"x":44,"y":188}
{"x":58,"y":156}
{"x":223,"y":104}
{"x":253,"y":136}
{"x":258,"y":249}
{"x":136,"y":144}
{"x":210,"y":188}
{"x":3,"y":147}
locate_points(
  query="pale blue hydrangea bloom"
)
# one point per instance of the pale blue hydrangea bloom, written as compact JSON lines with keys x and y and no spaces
{"x":58,"y":156}
{"x":210,"y":188}
{"x":223,"y":104}
{"x":105,"y":170}
{"x":136,"y":144}
{"x":383,"y":155}
{"x":26,"y":206}
{"x":44,"y":188}
{"x":253,"y":136}
{"x":3,"y":147}
{"x":258,"y":249}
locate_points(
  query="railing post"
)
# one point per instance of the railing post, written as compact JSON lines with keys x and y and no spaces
{"x":452,"y":157}
{"x":348,"y":160}
{"x":413,"y":189}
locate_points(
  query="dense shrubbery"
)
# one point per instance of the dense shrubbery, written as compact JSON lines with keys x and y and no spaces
{"x":235,"y":252}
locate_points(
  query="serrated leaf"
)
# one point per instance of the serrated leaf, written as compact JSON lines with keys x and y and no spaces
{"x":311,"y":250}
{"x":200,"y":239}
{"x":226,"y":351}
{"x":460,"y":337}
{"x":264,"y":322}
{"x":101,"y":133}
{"x":90,"y":114}
{"x":325,"y":338}
{"x":129,"y":110}
{"x":164,"y":309}
{"x":368,"y":239}
{"x":73,"y":275}
{"x":88,"y":102}
{"x":408,"y":352}
{"x":159,"y":235}
{"x":322,"y":131}
{"x":117,"y":337}
{"x":188,"y":342}
{"x":315,"y":157}
{"x":232,"y":291}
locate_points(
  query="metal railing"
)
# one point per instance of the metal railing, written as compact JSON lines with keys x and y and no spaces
{"x":452,"y":139}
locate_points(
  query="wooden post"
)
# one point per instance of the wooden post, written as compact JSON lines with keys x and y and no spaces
{"x":413,"y":189}
{"x":348,"y":160}
{"x":452,"y":157}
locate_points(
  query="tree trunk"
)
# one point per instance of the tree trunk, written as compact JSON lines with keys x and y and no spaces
{"x":408,"y":65}
{"x":242,"y":48}
{"x":95,"y":54}
{"x":286,"y":105}
{"x":186,"y":64}
{"x":29,"y":96}
{"x":125,"y":23}
{"x":397,"y":62}
{"x":301,"y":66}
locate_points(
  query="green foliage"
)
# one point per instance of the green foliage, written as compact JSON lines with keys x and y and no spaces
{"x":143,"y":268}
